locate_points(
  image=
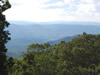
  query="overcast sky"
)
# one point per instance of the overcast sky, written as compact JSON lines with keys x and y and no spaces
{"x":54,"y":10}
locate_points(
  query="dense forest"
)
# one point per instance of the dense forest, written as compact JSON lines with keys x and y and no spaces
{"x":81,"y":56}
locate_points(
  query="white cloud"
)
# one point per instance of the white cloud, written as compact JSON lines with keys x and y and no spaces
{"x":87,"y":1}
{"x":33,"y":10}
{"x":53,"y":4}
{"x":85,"y":9}
{"x":59,"y":4}
{"x":98,"y":4}
{"x":67,"y":1}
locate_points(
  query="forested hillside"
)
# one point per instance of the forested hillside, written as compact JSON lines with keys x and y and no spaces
{"x":81,"y":56}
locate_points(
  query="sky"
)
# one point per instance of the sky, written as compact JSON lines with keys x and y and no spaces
{"x":54,"y":10}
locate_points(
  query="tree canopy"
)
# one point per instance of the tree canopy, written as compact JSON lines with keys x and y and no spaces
{"x":81,"y":56}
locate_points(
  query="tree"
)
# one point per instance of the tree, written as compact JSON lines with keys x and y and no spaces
{"x":4,"y":36}
{"x":80,"y":56}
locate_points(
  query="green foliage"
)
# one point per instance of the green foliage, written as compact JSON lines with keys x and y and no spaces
{"x":4,"y":37}
{"x":81,"y":56}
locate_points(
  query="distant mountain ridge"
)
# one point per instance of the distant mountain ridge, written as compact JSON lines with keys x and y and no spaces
{"x":66,"y":39}
{"x":55,"y":22}
{"x":26,"y":33}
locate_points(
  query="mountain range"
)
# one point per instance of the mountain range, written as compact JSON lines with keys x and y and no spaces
{"x":66,"y":39}
{"x":25,"y":33}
